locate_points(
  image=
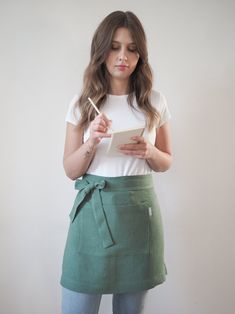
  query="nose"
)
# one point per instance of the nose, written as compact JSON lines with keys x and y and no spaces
{"x":122,"y":56}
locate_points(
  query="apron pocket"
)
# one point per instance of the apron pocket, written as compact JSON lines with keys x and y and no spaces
{"x":129,"y":227}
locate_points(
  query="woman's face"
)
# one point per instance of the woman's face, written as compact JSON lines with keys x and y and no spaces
{"x":123,"y":56}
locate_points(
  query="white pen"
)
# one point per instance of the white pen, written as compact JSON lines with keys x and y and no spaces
{"x":96,"y":109}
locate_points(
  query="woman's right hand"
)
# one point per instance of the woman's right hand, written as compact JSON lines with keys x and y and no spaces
{"x":99,"y":129}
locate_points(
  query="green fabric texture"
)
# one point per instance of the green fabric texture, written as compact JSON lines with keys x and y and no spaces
{"x":115,"y":241}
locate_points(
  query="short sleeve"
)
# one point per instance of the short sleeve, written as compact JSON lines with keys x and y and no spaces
{"x":163,"y":109}
{"x":73,"y":114}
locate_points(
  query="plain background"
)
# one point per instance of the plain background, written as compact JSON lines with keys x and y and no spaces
{"x":44,"y":51}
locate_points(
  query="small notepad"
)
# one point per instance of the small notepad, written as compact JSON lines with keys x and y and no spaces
{"x":122,"y":137}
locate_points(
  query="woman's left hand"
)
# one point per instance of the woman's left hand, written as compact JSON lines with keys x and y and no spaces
{"x":141,"y":149}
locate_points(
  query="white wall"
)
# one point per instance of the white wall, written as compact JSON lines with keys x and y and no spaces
{"x":44,"y":50}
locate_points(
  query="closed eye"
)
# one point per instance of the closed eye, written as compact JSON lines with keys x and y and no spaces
{"x":132,"y":49}
{"x":118,"y":48}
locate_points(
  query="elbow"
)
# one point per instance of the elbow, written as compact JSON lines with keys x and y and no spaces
{"x":164,"y":169}
{"x":70,"y":173}
{"x":167,"y":165}
{"x":71,"y":176}
{"x":164,"y":165}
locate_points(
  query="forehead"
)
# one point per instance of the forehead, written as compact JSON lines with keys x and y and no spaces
{"x":123,"y":35}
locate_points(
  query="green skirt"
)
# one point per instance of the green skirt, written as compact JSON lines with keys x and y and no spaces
{"x":115,"y":239}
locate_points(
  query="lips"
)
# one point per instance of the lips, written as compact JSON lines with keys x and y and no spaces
{"x":122,"y":67}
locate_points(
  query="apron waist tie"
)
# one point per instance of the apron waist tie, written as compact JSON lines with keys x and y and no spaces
{"x":85,"y":188}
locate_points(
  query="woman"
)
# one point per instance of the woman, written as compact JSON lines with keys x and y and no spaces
{"x":115,"y":240}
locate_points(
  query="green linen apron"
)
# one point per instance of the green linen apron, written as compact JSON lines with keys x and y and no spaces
{"x":115,"y":240}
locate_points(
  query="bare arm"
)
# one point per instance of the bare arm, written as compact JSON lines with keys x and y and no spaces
{"x":78,"y":155}
{"x":160,"y":158}
{"x":159,"y":155}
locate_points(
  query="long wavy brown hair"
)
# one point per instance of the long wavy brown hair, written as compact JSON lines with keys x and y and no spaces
{"x":96,"y":77}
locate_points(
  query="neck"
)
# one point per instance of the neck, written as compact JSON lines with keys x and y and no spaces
{"x":118,"y":87}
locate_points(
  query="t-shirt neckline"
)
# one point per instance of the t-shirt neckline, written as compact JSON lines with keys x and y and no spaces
{"x":117,"y":96}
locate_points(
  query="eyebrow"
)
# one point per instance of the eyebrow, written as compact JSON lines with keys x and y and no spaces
{"x":118,"y":42}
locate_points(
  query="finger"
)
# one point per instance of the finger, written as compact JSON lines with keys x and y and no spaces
{"x":139,"y":139}
{"x":102,"y":135}
{"x":138,"y":154}
{"x":103,"y":120}
{"x":106,"y":119}
{"x":99,"y":128}
{"x":99,"y":121}
{"x":98,"y":125}
{"x":132,"y":147}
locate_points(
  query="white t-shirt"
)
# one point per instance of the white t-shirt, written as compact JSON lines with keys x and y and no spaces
{"x":123,"y":116}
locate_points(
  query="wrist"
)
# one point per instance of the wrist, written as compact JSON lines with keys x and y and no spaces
{"x":90,"y":147}
{"x":151,"y":153}
{"x":92,"y":143}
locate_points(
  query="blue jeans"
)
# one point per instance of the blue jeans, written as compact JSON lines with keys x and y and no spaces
{"x":82,"y":303}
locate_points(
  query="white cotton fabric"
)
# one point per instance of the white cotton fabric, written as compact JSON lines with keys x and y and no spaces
{"x":123,"y":116}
